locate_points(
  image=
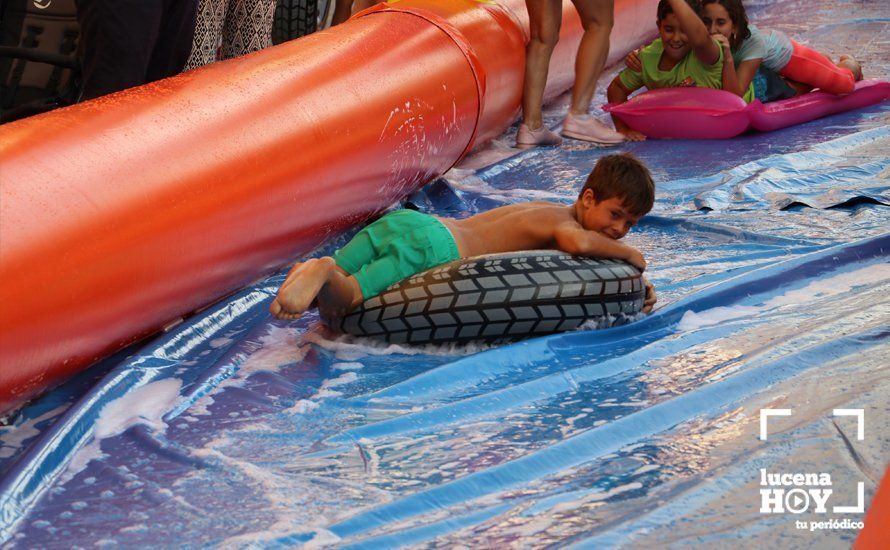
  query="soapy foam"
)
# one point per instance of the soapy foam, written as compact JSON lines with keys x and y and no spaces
{"x":839,"y":284}
{"x":279,"y":347}
{"x":304,"y":406}
{"x":833,"y":286}
{"x":350,"y":348}
{"x":714,"y":316}
{"x":145,"y":405}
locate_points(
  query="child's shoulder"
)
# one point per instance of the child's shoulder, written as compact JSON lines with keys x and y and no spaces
{"x":656,"y":47}
{"x":650,"y":55}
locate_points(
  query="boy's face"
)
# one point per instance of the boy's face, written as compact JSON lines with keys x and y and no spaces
{"x":676,"y":45}
{"x":608,"y":217}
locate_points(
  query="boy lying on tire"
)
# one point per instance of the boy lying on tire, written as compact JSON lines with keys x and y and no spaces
{"x":617,"y":193}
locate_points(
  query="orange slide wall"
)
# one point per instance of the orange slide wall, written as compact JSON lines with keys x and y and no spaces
{"x":125,"y":213}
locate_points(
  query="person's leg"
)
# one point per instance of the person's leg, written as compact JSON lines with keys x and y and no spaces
{"x":337,"y":292}
{"x":247,"y":28}
{"x":173,"y":44}
{"x":597,"y":18}
{"x":208,"y":33}
{"x":342,"y":11}
{"x":340,"y":295}
{"x":545,"y":18}
{"x":116,"y":41}
{"x":811,"y":67}
{"x":351,"y":257}
{"x":232,"y":43}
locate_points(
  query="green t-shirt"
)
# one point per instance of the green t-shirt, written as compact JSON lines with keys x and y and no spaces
{"x":688,"y":72}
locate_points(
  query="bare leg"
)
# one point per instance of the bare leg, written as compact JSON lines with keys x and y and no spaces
{"x":310,"y":280}
{"x":597,"y":19}
{"x":545,"y":18}
{"x":340,"y":295}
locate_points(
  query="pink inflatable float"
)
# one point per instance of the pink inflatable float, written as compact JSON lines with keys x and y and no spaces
{"x":704,"y":113}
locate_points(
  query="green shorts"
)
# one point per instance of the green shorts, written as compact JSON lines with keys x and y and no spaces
{"x":395,"y":247}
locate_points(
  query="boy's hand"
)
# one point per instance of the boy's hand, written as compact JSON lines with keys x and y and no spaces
{"x":633,"y":60}
{"x":650,"y":299}
{"x":632,"y":135}
{"x":635,"y":259}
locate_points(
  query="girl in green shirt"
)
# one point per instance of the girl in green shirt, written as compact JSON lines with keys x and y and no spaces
{"x":684,"y":55}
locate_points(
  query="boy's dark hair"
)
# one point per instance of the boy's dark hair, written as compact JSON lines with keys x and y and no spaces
{"x":625,"y":177}
{"x":739,"y":18}
{"x":664,"y":8}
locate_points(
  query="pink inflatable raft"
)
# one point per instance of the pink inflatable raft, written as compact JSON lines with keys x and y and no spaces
{"x":704,"y":113}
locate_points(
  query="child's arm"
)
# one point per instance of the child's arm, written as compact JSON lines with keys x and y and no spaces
{"x":651,"y":298}
{"x":745,"y":74}
{"x":617,"y":93}
{"x":575,"y":240}
{"x":633,"y":60}
{"x":706,"y":50}
{"x":736,"y":79}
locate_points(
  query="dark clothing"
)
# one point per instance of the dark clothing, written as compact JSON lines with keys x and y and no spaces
{"x":125,"y":43}
{"x":769,"y":86}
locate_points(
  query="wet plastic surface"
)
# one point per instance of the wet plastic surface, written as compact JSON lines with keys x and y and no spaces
{"x":770,"y":255}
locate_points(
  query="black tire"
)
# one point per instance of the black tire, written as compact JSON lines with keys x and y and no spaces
{"x":498,"y":297}
{"x":294,"y":18}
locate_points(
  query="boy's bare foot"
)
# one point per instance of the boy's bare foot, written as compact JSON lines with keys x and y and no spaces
{"x":275,"y":306}
{"x":298,"y":295}
{"x":849,"y":62}
{"x":292,"y":273}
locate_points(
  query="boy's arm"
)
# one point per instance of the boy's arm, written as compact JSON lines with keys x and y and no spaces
{"x":617,"y":93}
{"x":575,"y":240}
{"x":706,"y":50}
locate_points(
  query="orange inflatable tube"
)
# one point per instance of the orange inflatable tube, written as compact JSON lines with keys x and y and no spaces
{"x":121,"y":215}
{"x":875,"y":534}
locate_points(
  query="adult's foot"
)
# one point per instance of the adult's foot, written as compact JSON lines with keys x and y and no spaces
{"x":527,"y":138}
{"x":587,"y":128}
{"x":298,"y":295}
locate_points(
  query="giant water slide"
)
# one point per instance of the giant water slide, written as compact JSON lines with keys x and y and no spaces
{"x":122,"y":215}
{"x":769,"y":253}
